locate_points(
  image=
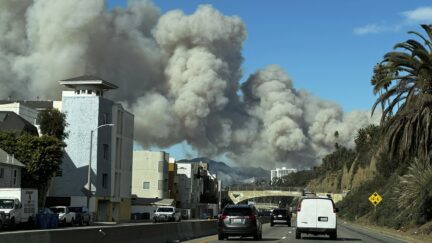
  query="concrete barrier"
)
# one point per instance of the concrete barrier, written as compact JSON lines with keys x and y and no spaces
{"x":158,"y":233}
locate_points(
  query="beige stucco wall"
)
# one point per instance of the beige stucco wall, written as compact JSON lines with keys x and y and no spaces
{"x":150,"y":167}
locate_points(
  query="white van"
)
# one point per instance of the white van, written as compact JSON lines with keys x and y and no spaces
{"x":316,"y":215}
{"x":18,"y":205}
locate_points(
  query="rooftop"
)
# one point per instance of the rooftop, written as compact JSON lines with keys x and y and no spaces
{"x":88,"y":80}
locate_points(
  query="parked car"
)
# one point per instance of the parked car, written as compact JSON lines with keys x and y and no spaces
{"x":64,"y":215}
{"x":280,"y":216}
{"x":82,"y":215}
{"x":166,"y":213}
{"x":239,"y":220}
{"x":316,"y":215}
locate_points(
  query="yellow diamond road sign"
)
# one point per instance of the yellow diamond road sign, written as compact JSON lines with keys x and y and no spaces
{"x":375,"y":198}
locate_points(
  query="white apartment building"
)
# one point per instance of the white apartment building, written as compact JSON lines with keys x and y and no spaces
{"x":100,"y":135}
{"x":150,"y":174}
{"x":278,"y":173}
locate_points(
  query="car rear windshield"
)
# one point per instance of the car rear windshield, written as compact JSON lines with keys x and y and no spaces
{"x":237,"y":211}
{"x":280,"y":211}
{"x":165,"y":209}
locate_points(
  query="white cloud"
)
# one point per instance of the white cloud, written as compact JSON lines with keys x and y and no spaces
{"x":368,"y":29}
{"x":419,"y":15}
{"x":422,"y":14}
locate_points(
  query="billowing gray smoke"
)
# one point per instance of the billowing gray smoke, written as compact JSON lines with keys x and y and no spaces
{"x":179,"y":74}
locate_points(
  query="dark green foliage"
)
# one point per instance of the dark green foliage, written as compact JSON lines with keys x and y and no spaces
{"x":42,"y":157}
{"x":356,"y":204}
{"x":336,"y":161}
{"x":53,"y":123}
{"x":403,"y":81}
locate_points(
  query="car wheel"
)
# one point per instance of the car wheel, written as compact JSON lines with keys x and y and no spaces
{"x":64,"y":222}
{"x":271,"y":224}
{"x":298,"y":234}
{"x":333,"y":235}
{"x":289,"y":223}
{"x":221,"y":237}
{"x":257,"y":236}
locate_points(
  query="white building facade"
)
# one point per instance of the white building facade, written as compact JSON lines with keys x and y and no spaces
{"x":279,"y":173}
{"x":150,"y":174}
{"x":101,"y":134}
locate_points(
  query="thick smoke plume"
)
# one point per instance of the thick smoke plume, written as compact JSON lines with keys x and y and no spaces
{"x":179,"y":74}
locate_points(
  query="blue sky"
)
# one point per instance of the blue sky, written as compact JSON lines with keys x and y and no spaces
{"x":328,"y":47}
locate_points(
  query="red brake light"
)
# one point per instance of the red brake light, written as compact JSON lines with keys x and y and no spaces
{"x":252,"y":217}
{"x":222,"y":216}
{"x":298,"y":208}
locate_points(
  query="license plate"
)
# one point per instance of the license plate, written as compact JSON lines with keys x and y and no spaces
{"x":237,"y":221}
{"x":323,"y":219}
{"x":279,"y":216}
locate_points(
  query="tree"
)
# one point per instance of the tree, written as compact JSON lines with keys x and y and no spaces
{"x":404,"y":81}
{"x":53,"y":123}
{"x":41,"y":156}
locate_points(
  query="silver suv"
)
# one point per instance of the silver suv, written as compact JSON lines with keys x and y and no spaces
{"x":166,"y":213}
{"x":239,"y":220}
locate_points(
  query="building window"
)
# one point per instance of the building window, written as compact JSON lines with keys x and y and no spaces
{"x":89,"y":91}
{"x":1,"y":173}
{"x":161,"y":166}
{"x":59,"y":172}
{"x":78,"y":91}
{"x":105,"y":151}
{"x":97,"y":92}
{"x":160,"y":185}
{"x":15,"y":177}
{"x":146,"y":185}
{"x":105,"y":180}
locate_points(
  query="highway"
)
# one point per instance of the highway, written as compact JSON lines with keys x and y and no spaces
{"x":280,"y":233}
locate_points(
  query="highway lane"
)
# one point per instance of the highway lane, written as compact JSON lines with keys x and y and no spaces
{"x":280,"y":233}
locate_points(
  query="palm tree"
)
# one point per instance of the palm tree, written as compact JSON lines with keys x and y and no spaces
{"x":403,"y":81}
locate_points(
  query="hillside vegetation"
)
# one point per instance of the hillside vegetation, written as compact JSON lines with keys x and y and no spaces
{"x":393,"y":158}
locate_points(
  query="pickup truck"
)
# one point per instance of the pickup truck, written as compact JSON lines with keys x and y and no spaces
{"x":166,"y":213}
{"x":82,"y":215}
{"x":65,"y":216}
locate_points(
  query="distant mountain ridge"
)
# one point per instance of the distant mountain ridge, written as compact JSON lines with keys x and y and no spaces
{"x":231,"y":175}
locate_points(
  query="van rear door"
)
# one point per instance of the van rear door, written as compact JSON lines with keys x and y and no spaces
{"x":326,"y":217}
{"x":306,"y":217}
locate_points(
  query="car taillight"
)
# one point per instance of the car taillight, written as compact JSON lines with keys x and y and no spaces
{"x":252,"y":217}
{"x":222,"y":216}
{"x":299,"y":208}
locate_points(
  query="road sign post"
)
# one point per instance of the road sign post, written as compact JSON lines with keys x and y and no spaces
{"x":375,"y":199}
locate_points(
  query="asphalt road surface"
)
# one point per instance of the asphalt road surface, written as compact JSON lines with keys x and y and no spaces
{"x":280,"y":233}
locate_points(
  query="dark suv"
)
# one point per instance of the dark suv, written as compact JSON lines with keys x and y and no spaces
{"x":280,"y":216}
{"x":239,"y":220}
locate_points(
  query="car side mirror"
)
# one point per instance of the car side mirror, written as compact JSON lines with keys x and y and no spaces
{"x":336,"y":210}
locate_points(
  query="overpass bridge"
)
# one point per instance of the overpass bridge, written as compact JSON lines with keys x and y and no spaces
{"x":242,"y":193}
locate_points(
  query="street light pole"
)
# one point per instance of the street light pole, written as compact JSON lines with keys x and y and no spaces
{"x":89,"y":166}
